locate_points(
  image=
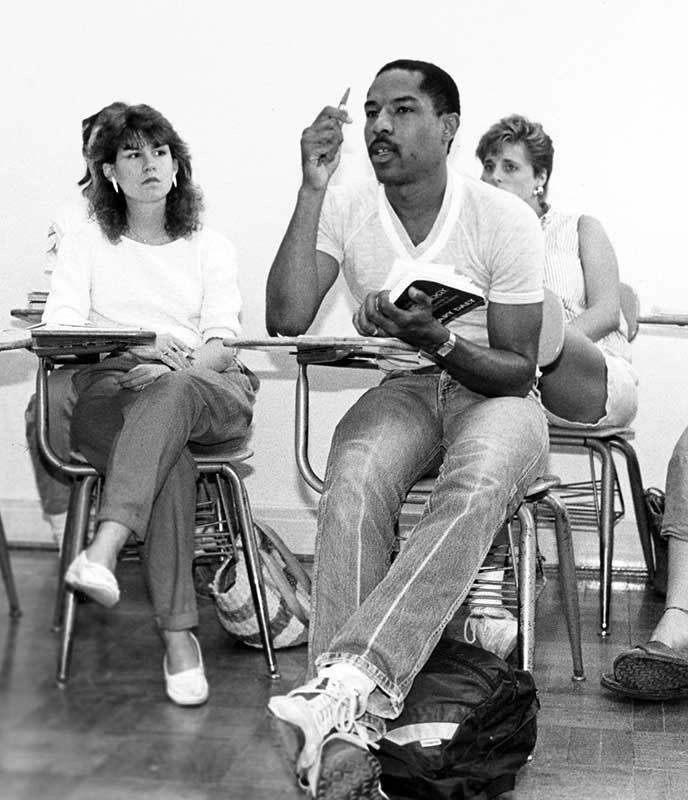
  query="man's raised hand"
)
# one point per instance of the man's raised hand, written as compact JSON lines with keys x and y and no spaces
{"x":321,"y":146}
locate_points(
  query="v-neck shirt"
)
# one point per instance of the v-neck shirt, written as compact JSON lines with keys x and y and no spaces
{"x":480,"y":232}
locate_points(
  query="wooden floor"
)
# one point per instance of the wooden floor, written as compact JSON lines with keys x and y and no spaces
{"x":112,"y":735}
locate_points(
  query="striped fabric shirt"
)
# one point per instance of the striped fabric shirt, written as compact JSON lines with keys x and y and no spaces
{"x":564,"y":275}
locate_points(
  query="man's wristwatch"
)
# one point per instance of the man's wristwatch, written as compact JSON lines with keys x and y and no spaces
{"x":446,"y":347}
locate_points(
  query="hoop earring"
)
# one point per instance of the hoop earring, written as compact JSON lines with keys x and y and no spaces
{"x":115,"y":186}
{"x":174,"y":180}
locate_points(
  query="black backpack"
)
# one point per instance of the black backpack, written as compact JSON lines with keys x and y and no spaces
{"x":469,"y":723}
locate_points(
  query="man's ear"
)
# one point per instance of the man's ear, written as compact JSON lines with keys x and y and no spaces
{"x":450,"y":126}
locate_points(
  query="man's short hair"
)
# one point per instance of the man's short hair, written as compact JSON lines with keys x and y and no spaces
{"x":436,"y":83}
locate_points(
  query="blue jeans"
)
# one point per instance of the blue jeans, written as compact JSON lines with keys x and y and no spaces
{"x":387,"y":619}
{"x":675,"y":521}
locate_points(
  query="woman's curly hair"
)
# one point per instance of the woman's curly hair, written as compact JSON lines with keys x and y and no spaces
{"x":131,"y":128}
{"x":88,"y":127}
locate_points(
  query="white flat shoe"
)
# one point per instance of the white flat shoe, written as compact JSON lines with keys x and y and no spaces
{"x":93,"y":579}
{"x":190,"y":687}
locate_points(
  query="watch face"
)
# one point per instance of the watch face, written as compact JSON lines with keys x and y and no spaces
{"x":446,"y":347}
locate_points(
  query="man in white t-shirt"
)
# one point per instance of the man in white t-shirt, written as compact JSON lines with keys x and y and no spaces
{"x":466,"y":404}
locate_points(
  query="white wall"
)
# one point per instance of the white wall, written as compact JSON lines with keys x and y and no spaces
{"x":240,"y":81}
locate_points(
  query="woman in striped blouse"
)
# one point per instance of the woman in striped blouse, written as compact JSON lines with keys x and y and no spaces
{"x":592,"y":383}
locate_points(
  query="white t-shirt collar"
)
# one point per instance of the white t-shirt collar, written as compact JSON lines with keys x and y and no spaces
{"x":442,"y":228}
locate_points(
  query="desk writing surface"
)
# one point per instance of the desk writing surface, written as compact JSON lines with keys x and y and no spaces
{"x":14,"y":339}
{"x":61,"y":340}
{"x":376,"y":344}
{"x":663,"y":319}
{"x":335,"y":350}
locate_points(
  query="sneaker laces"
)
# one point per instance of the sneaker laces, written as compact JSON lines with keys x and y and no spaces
{"x":332,"y":704}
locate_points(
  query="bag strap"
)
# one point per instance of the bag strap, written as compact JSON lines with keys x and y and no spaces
{"x":281,"y":584}
{"x":288,"y":557}
{"x":285,"y":589}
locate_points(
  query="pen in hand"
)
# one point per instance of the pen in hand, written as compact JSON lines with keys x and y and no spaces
{"x":321,"y":158}
{"x":344,"y":100}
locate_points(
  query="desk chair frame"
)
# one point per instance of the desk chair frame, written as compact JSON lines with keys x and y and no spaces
{"x":232,"y":502}
{"x":7,"y":576}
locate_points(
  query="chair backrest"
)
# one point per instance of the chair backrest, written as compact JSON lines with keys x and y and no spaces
{"x":553,"y":329}
{"x":630,"y":308}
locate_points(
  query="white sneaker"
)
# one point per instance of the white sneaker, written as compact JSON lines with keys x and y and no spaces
{"x":318,"y":726}
{"x":494,"y":628}
{"x":346,"y":769}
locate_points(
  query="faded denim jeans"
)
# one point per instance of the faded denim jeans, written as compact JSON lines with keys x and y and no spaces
{"x":387,"y":619}
{"x":675,"y":522}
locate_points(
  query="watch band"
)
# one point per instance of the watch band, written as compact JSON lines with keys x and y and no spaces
{"x":446,"y":347}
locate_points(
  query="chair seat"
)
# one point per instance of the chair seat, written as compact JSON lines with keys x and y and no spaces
{"x":222,"y":454}
{"x":592,"y":433}
{"x":211,"y":455}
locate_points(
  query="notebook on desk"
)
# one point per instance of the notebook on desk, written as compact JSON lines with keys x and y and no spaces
{"x":64,"y":340}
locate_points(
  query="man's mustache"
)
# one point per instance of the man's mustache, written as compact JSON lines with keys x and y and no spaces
{"x":381,"y":140}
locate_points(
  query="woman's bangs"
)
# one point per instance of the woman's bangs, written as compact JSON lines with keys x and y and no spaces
{"x":153,"y":135}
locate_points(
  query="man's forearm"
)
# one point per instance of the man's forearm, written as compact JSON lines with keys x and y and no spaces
{"x":293,"y":293}
{"x":489,"y":371}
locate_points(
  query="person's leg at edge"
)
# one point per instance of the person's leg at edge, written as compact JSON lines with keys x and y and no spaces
{"x":658,"y":669}
{"x":672,"y":628}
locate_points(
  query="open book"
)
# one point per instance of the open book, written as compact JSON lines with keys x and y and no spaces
{"x":451,"y":294}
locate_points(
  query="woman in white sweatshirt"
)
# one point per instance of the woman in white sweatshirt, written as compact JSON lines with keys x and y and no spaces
{"x":149,"y":263}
